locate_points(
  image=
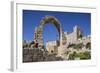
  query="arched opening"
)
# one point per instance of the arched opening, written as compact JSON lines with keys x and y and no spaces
{"x":48,"y":20}
{"x":50,"y":33}
{"x":51,"y":51}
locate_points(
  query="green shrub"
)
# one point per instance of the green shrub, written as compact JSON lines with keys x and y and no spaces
{"x":82,"y":55}
{"x":76,"y":46}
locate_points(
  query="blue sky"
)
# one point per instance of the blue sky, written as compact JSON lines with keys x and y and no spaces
{"x":32,"y":18}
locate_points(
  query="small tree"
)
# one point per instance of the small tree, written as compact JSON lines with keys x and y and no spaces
{"x":81,"y":36}
{"x":88,"y":45}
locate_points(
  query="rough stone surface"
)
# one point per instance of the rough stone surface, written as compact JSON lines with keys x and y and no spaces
{"x":36,"y":55}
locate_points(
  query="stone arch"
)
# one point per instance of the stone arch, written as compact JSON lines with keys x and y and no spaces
{"x":51,"y":19}
{"x":43,"y":22}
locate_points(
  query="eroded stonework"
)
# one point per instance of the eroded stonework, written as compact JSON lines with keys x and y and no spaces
{"x":38,"y":38}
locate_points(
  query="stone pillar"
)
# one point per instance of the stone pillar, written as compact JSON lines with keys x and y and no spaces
{"x":39,"y":37}
{"x":60,"y":36}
